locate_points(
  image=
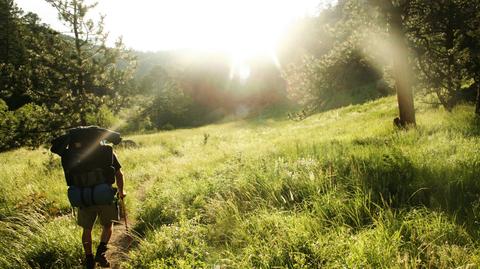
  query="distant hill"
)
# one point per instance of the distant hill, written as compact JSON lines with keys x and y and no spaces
{"x":175,"y":59}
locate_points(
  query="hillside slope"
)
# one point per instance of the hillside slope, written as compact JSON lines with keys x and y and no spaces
{"x":342,"y":188}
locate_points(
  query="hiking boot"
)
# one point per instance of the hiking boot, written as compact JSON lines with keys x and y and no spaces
{"x":100,"y":256}
{"x":89,"y":262}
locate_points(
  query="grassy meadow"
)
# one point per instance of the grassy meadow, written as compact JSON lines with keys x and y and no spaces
{"x":340,"y":189}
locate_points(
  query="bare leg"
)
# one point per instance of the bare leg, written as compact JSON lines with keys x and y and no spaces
{"x":106,"y":233}
{"x":87,"y":241}
{"x":100,"y":256}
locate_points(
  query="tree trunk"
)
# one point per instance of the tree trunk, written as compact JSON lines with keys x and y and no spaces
{"x":477,"y":107}
{"x":402,"y":70}
{"x":80,"y":90}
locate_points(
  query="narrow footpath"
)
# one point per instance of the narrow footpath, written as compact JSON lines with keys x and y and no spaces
{"x":122,"y":241}
{"x":120,"y":244}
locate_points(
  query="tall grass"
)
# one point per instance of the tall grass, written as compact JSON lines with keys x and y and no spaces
{"x":340,"y":189}
{"x":31,"y":241}
{"x":37,"y":225}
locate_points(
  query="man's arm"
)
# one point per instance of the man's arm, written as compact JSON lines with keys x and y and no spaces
{"x":120,"y":182}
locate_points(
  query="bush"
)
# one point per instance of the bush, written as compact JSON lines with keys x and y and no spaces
{"x":26,"y":126}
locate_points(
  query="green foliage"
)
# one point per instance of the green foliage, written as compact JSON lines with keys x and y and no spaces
{"x":103,"y":117}
{"x":6,"y":121}
{"x":170,"y":103}
{"x":341,"y":73}
{"x":93,"y":69}
{"x":371,"y":40}
{"x":13,"y":53}
{"x":51,"y":81}
{"x":22,"y":127}
{"x":187,"y":88}
{"x":443,"y":35}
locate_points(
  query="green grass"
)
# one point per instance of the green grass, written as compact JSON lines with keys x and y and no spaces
{"x":342,"y":188}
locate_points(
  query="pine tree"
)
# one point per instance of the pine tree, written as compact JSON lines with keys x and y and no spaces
{"x":12,"y":56}
{"x":95,"y":73}
{"x":442,"y":32}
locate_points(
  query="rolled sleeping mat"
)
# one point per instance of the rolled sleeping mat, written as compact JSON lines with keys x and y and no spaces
{"x":89,"y":134}
{"x":94,"y":133}
{"x":102,"y":194}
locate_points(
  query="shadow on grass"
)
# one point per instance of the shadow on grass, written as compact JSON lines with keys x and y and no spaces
{"x":474,"y":126}
{"x":452,"y":188}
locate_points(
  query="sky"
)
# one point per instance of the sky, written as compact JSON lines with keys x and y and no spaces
{"x":235,"y":26}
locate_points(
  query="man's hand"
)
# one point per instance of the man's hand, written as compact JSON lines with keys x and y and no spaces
{"x":121,"y":194}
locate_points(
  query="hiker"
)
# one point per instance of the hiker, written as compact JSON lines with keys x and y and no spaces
{"x":90,"y":169}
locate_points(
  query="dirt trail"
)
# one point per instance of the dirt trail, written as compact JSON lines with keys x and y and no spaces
{"x":119,"y":246}
{"x":122,"y":241}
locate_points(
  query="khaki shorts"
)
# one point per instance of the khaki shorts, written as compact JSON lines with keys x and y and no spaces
{"x":106,"y":213}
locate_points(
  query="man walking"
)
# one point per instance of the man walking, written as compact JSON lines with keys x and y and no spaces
{"x":91,"y":168}
{"x":106,"y":214}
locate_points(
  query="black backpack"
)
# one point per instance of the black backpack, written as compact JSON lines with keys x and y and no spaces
{"x":87,"y":164}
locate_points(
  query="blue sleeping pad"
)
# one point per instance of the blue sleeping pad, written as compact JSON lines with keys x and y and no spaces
{"x":102,"y":194}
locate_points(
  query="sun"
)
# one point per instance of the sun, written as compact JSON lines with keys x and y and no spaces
{"x":248,"y":29}
{"x":244,"y":29}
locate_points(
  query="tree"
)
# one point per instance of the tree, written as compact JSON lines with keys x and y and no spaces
{"x":12,"y":56}
{"x":23,"y":120}
{"x":169,"y":104}
{"x":395,"y":12}
{"x":93,"y":71}
{"x":443,"y":35}
{"x":339,"y":71}
{"x":11,"y":45}
{"x":50,"y":81}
